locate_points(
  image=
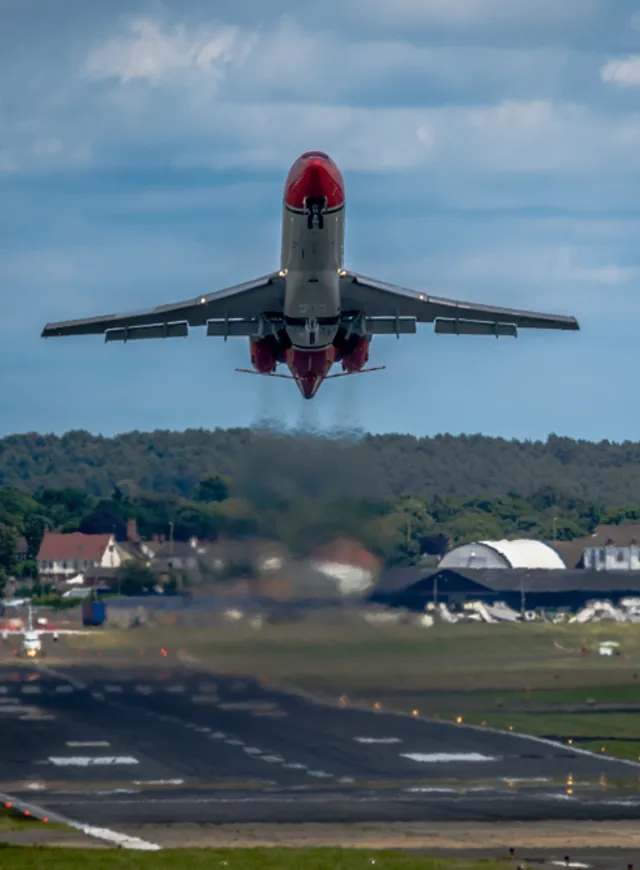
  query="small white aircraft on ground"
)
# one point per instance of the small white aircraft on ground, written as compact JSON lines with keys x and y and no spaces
{"x":32,"y":637}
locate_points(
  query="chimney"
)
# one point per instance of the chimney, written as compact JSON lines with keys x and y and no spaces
{"x":132,"y":531}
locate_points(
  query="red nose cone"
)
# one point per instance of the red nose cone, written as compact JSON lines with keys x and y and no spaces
{"x":310,"y":367}
{"x":314,"y":177}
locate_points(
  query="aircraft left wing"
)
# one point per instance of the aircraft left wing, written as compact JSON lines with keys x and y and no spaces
{"x":241,"y":302}
{"x":378,"y":299}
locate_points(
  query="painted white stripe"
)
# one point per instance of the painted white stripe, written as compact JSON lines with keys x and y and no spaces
{"x":427,"y":790}
{"x":252,"y":750}
{"x":31,"y":690}
{"x":98,"y":696}
{"x":9,"y":700}
{"x":176,"y":688}
{"x":570,"y":864}
{"x":88,"y":743}
{"x":377,"y":740}
{"x":203,"y":730}
{"x":113,"y":688}
{"x":144,"y":690}
{"x":235,"y":742}
{"x":524,"y":779}
{"x":272,"y":759}
{"x":3,"y":690}
{"x":218,"y":735}
{"x":295,"y":766}
{"x":320,"y":774}
{"x":19,"y":708}
{"x":435,"y":757}
{"x":86,"y":761}
{"x":205,"y":699}
{"x":105,"y":834}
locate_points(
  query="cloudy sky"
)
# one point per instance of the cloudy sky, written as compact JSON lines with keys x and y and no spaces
{"x":491,"y":151}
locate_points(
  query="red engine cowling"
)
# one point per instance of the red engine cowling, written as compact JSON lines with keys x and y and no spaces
{"x":263,"y":355}
{"x":357,"y":355}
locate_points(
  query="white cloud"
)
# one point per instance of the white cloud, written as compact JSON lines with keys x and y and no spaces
{"x":154,"y":52}
{"x":463,"y":13}
{"x":624,"y":72}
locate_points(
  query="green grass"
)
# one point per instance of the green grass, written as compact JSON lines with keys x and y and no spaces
{"x":17,"y":858}
{"x":13,"y":820}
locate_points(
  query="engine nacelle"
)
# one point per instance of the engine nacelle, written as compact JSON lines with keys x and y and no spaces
{"x":264,"y":354}
{"x":355,"y":354}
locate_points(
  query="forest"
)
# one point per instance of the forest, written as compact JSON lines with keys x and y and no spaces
{"x":305,"y":488}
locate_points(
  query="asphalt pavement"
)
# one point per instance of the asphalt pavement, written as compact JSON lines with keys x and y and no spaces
{"x":160,"y":745}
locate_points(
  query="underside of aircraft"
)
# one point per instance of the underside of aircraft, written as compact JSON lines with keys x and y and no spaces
{"x":312,"y":313}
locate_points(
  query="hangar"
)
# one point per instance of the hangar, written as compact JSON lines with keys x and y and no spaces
{"x":523,"y":553}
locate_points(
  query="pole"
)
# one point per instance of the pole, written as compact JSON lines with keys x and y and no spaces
{"x":522,"y":599}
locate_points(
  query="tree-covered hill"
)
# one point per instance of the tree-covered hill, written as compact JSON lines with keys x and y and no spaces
{"x":383,"y":466}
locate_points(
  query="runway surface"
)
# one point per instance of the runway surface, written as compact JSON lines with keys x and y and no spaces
{"x":161,"y":745}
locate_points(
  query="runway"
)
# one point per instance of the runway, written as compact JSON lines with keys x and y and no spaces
{"x":130,"y":746}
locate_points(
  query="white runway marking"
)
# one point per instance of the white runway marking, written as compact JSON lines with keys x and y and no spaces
{"x":295,"y":765}
{"x":59,"y":676}
{"x":218,"y":735}
{"x":105,"y":834}
{"x":570,"y":864}
{"x":19,"y":708}
{"x":113,"y":688}
{"x":268,"y":714}
{"x":3,"y":690}
{"x":320,"y":774}
{"x":252,"y":750}
{"x":377,"y":740}
{"x":175,"y":689}
{"x":272,"y":759}
{"x":88,"y":743}
{"x":98,"y":696}
{"x":204,"y":729}
{"x":144,"y":690}
{"x":235,"y":742}
{"x":31,"y":690}
{"x":436,"y":757}
{"x":9,"y":701}
{"x":86,"y":761}
{"x":346,"y":779}
{"x":205,"y":699}
{"x":427,"y":790}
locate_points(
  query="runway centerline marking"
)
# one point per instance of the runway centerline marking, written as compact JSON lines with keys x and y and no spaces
{"x":377,"y":740}
{"x":436,"y":757}
{"x":78,"y":743}
{"x":88,"y":761}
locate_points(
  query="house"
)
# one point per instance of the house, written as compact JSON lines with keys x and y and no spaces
{"x":607,"y":548}
{"x":353,"y":567}
{"x":63,"y":556}
{"x":22,"y":549}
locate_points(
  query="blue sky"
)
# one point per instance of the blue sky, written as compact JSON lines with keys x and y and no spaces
{"x":491,"y":151}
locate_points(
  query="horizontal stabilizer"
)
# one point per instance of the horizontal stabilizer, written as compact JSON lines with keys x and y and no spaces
{"x":474,"y":327}
{"x":157,"y":330}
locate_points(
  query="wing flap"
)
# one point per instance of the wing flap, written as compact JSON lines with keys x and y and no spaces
{"x":245,"y":301}
{"x":379,"y":299}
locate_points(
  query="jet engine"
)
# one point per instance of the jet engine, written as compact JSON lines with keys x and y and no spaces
{"x":265,"y":354}
{"x":354,"y":354}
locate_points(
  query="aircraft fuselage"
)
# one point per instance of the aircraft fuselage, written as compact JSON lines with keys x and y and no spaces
{"x":312,"y":258}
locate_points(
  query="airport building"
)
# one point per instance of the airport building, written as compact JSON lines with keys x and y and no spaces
{"x":523,"y":553}
{"x":521,"y":589}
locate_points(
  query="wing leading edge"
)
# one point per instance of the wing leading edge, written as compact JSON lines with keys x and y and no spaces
{"x":379,"y":299}
{"x":244,"y":301}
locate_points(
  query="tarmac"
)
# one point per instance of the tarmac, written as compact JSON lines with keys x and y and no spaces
{"x":171,"y":755}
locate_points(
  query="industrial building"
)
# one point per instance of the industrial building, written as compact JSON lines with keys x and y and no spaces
{"x":520,"y":589}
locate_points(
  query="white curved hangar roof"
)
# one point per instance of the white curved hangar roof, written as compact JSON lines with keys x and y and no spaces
{"x":525,"y":553}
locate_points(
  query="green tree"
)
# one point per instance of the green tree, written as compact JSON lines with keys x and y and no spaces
{"x":214,"y":488}
{"x":133,"y":579}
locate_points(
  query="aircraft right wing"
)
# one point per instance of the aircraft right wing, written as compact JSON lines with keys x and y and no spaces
{"x":390,"y":301}
{"x":243,"y":302}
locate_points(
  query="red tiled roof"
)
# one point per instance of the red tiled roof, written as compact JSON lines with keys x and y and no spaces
{"x":347,"y":552}
{"x":57,"y":547}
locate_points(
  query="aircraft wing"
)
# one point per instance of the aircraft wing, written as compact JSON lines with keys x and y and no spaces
{"x":244,"y":302}
{"x":378,"y":299}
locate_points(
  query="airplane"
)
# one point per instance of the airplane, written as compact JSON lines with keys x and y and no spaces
{"x":32,"y":637}
{"x":313,"y":312}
